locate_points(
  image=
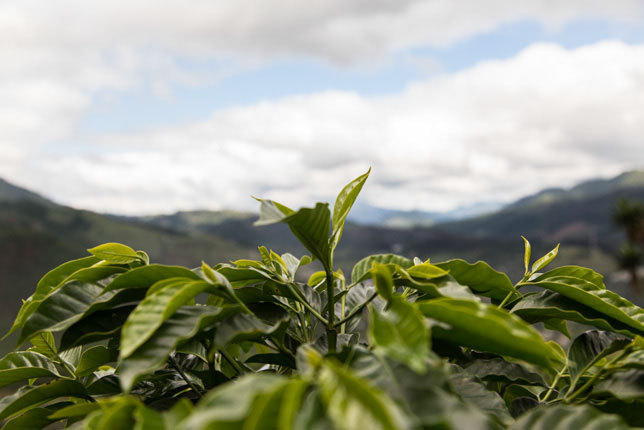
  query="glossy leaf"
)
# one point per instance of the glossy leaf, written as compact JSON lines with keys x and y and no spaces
{"x":624,"y":385}
{"x":93,"y":358}
{"x":29,"y":396}
{"x":24,"y":365}
{"x":486,"y":328}
{"x":481,"y":278}
{"x":310,"y":225}
{"x":61,"y":309}
{"x":154,"y":309}
{"x":401,"y":333}
{"x":545,"y":260}
{"x":527,"y":254}
{"x":499,"y":370}
{"x":116,"y":253}
{"x":245,"y":327}
{"x":565,"y":417}
{"x":145,"y":276}
{"x":183,"y":325}
{"x":548,"y":305}
{"x":361,"y":270}
{"x":32,"y":419}
{"x":591,"y":346}
{"x":601,"y":300}
{"x":343,"y":204}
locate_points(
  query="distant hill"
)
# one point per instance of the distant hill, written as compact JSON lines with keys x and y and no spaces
{"x":37,"y":234}
{"x":581,"y":215}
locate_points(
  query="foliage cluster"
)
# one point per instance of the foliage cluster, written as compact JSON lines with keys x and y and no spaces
{"x":117,"y":342}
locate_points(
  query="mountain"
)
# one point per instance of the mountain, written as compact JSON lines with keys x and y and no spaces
{"x":581,"y":215}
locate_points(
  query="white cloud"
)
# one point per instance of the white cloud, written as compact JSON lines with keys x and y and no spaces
{"x":499,"y":130}
{"x":57,"y":56}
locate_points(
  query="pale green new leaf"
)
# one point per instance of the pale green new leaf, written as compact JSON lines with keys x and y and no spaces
{"x":115,"y":253}
{"x":486,"y":328}
{"x":383,"y":280}
{"x":400,"y":332}
{"x":343,"y":204}
{"x":45,"y":344}
{"x":527,"y":253}
{"x":545,"y":260}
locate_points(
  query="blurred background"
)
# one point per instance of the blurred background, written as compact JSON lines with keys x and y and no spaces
{"x":151,"y":123}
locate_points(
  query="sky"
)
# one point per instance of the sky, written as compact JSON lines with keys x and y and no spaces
{"x":144,"y":107}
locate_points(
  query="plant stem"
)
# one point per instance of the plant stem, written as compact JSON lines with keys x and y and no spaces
{"x":554,"y":383}
{"x":588,"y":383}
{"x":302,"y":299}
{"x":176,"y":366}
{"x":232,"y":362}
{"x":357,"y":309}
{"x":331,"y":332}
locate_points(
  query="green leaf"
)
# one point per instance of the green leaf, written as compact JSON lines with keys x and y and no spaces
{"x":486,"y":328}
{"x":566,"y":417}
{"x":277,"y":407}
{"x":427,"y":271}
{"x":545,"y":260}
{"x":245,"y":327}
{"x":383,"y":281}
{"x":526,"y":254}
{"x":473,"y":391}
{"x":589,"y":347}
{"x":628,"y":385}
{"x":98,"y":326}
{"x":29,"y":396}
{"x":343,"y":204}
{"x":401,"y":333}
{"x":186,"y":322}
{"x":93,"y":358}
{"x":499,"y":370}
{"x":45,"y":344}
{"x":33,"y":419}
{"x":23,"y":365}
{"x":278,"y":359}
{"x":361,"y":270}
{"x":574,"y":272}
{"x":601,"y":300}
{"x":353,"y":403}
{"x":115,"y":253}
{"x":481,"y":278}
{"x":148,"y":419}
{"x":50,"y":282}
{"x":271,"y":212}
{"x":548,"y":304}
{"x":145,"y":276}
{"x":61,"y":309}
{"x":154,"y":309}
{"x":227,"y":406}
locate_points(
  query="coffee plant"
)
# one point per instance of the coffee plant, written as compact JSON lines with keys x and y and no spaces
{"x":112,"y":341}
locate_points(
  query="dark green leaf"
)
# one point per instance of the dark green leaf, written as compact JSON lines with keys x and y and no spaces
{"x":628,"y":385}
{"x":565,"y":417}
{"x":499,"y":370}
{"x":93,"y":358}
{"x":589,"y":347}
{"x":28,"y":396}
{"x":23,"y":365}
{"x":183,"y":325}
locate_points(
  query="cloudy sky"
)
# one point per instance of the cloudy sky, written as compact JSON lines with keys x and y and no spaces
{"x":148,"y":106}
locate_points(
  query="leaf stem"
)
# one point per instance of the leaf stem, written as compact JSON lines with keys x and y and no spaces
{"x":573,"y":396}
{"x":232,"y":362}
{"x":176,"y":366}
{"x":554,"y":383}
{"x":331,"y":332}
{"x":301,"y":299}
{"x":357,"y":309}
